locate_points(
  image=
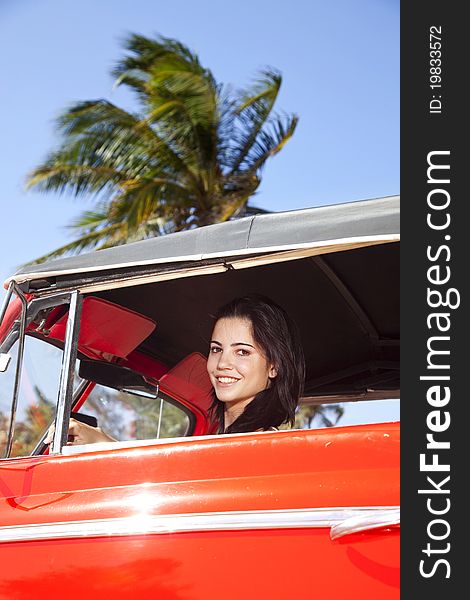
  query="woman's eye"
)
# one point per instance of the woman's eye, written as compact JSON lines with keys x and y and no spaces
{"x":243,"y":352}
{"x":215,"y":349}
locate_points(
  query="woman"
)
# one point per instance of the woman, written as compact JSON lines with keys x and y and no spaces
{"x":256,"y":367}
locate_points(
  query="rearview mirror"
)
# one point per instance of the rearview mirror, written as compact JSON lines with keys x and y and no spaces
{"x":117,"y":377}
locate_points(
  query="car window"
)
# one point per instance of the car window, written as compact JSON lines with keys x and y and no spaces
{"x":127,"y":416}
{"x":312,"y":416}
{"x":37,"y":394}
{"x":372,"y":411}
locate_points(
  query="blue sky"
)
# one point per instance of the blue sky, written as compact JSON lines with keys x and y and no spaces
{"x":339,"y":60}
{"x":340,"y":66}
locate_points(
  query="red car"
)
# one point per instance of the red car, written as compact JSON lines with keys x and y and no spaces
{"x":119,"y":338}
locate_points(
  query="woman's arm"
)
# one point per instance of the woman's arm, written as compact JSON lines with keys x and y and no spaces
{"x":81,"y":433}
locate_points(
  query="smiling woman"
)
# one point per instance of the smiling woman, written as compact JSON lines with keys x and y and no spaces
{"x":256,"y":366}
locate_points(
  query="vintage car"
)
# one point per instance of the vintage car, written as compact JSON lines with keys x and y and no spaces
{"x":119,"y":337}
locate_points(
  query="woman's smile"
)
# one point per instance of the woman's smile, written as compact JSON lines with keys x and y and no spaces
{"x":226,"y":380}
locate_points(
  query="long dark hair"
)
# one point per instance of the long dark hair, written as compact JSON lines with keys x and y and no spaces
{"x":278,"y":337}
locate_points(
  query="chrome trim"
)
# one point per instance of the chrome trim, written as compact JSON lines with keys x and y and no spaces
{"x":6,"y":300}
{"x":143,"y":524}
{"x":18,"y":372}
{"x":39,"y":449}
{"x":64,"y":404}
{"x":382,"y":518}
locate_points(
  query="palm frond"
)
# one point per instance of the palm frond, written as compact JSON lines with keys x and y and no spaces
{"x":105,"y":152}
{"x":89,"y":221}
{"x":269,"y":142}
{"x":144,"y":54}
{"x":142,"y":200}
{"x":264,"y":93}
{"x":253,"y":113}
{"x":113,"y":130}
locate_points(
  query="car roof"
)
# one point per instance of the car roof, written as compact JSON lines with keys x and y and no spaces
{"x":360,"y":220}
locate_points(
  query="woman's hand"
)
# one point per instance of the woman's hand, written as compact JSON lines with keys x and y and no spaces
{"x":80,"y":433}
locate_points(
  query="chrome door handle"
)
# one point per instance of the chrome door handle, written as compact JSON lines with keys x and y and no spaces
{"x":373,"y":520}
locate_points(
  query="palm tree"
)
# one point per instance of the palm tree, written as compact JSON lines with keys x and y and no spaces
{"x":191,"y":155}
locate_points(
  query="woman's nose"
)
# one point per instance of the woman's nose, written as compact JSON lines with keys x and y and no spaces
{"x":224,"y":361}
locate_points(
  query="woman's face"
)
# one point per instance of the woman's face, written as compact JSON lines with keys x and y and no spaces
{"x":237,"y":366}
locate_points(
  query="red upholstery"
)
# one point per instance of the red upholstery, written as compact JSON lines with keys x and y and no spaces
{"x":107,"y":331}
{"x":189,"y":382}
